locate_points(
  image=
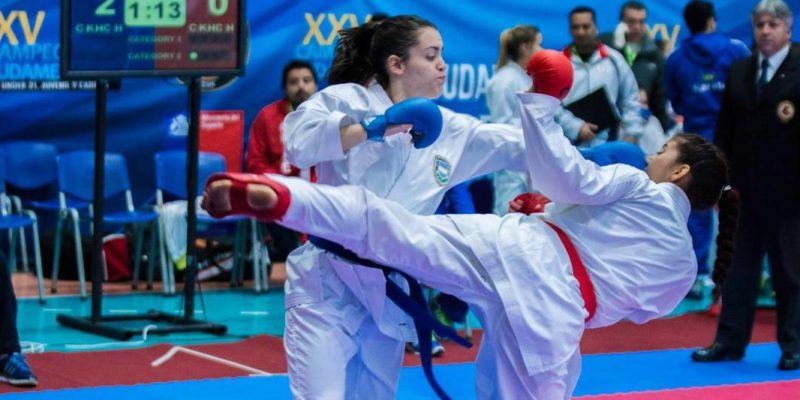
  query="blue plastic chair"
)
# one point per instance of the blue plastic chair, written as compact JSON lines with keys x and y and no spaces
{"x":171,"y":181}
{"x":35,"y":169}
{"x":15,"y":221}
{"x":76,"y":181}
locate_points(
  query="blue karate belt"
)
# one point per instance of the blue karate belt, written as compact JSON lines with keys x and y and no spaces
{"x":413,"y":305}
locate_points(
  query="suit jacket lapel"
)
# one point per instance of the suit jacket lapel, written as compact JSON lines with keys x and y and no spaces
{"x":789,"y":64}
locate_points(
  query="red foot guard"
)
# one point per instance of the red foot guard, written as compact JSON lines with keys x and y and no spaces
{"x":238,"y":196}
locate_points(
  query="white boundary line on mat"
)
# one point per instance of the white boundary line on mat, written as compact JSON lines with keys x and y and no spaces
{"x":175,"y":349}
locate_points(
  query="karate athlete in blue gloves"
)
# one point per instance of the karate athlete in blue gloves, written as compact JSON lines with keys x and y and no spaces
{"x":613,"y":244}
{"x":375,"y":127}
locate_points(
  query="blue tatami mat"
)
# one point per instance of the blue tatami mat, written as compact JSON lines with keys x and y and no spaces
{"x":273,"y":388}
{"x":602,"y":374}
{"x":670,"y":369}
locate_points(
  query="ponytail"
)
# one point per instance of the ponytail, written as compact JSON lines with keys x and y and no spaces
{"x":728,"y":217}
{"x":511,"y":40}
{"x":351,"y":61}
{"x":362,"y":51}
{"x":502,"y":57}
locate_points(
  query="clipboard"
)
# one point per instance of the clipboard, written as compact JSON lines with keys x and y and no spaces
{"x":595,"y":108}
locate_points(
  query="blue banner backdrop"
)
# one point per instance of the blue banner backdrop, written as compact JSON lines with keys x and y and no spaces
{"x":34,"y":105}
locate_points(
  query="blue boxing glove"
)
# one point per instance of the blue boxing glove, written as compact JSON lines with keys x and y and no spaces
{"x":616,"y":152}
{"x":423,"y":114}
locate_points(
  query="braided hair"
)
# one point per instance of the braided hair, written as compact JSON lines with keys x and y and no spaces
{"x":707,"y":187}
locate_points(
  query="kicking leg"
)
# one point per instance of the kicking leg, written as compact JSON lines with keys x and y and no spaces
{"x":430,"y":248}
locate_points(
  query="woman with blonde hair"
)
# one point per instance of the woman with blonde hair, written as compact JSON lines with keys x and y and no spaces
{"x":517,"y":45}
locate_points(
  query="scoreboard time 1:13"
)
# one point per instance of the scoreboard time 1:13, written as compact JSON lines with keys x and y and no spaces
{"x":156,"y":13}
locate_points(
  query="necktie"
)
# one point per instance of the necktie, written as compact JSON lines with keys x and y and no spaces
{"x":762,"y":80}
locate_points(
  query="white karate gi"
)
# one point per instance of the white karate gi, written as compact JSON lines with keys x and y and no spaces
{"x":501,"y":99}
{"x":629,"y":231}
{"x":344,"y":338}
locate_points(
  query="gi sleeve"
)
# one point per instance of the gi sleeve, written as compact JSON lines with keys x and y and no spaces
{"x":311,"y":133}
{"x":556,"y":167}
{"x":487,"y":147}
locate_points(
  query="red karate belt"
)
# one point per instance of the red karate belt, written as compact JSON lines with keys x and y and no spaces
{"x":533,"y":203}
{"x":579,"y":271}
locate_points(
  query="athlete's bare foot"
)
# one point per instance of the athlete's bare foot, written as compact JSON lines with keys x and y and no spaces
{"x":217,"y":197}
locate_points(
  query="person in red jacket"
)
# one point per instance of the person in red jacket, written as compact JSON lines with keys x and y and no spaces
{"x":265,"y":146}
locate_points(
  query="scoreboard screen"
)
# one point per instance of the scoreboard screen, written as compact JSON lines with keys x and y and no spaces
{"x":121,"y":38}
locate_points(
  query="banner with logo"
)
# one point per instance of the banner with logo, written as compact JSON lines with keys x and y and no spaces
{"x":35,"y":105}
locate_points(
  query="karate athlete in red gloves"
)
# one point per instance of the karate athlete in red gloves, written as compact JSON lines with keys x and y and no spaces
{"x":613,"y":244}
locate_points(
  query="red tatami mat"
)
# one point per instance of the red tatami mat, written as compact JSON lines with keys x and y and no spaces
{"x":58,"y":370}
{"x":685,"y":331}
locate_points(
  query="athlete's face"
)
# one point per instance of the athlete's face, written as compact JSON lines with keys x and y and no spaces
{"x":422,"y":73}
{"x":662,"y":166}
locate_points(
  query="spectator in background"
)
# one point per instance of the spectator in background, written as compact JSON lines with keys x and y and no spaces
{"x":265,"y":147}
{"x":598,"y":66}
{"x":517,"y":45}
{"x":696,"y":71}
{"x":14,"y":369}
{"x":643,"y":55}
{"x":654,"y":137}
{"x":695,"y":77}
{"x":759,"y":131}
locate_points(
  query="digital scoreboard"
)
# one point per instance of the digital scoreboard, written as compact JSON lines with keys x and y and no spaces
{"x":120,"y":38}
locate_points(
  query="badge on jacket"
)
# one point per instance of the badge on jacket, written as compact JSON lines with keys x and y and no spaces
{"x":441,"y":170}
{"x":785,"y":111}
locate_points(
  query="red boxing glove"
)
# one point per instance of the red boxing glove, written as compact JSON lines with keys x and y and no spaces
{"x":551,"y":72}
{"x":528,"y":203}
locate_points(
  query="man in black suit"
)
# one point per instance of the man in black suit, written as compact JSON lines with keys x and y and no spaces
{"x":759,"y":130}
